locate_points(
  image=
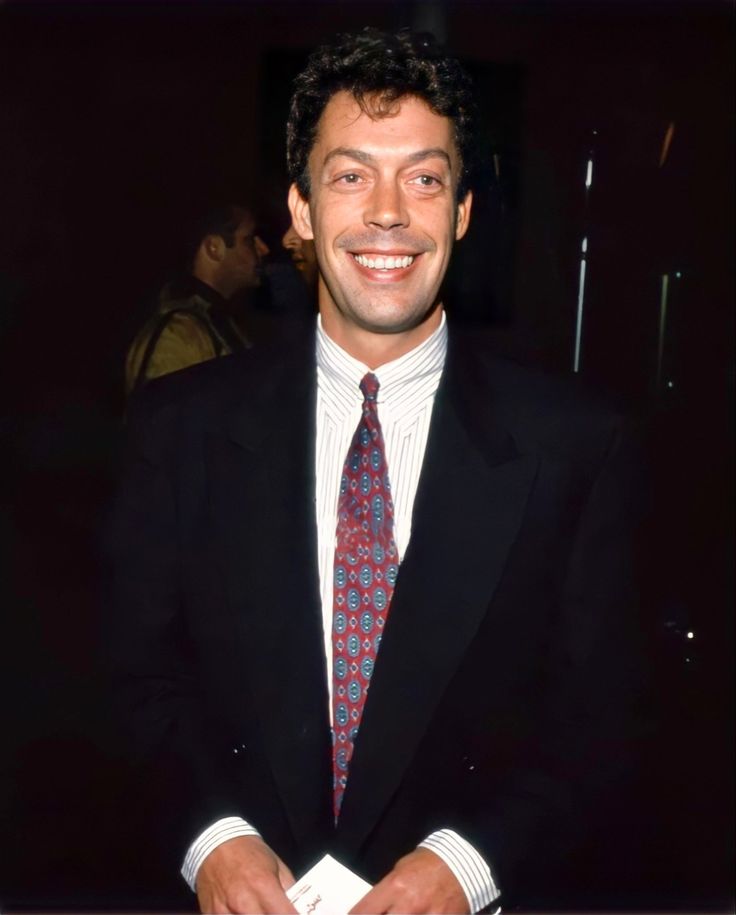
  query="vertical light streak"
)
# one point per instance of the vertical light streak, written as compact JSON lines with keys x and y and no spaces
{"x":577,"y":354}
{"x":581,"y":305}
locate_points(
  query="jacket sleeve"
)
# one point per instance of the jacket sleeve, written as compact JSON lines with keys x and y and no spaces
{"x":163,"y":726}
{"x":592,"y":719}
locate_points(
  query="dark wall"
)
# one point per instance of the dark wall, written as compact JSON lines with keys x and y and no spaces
{"x":117,"y":120}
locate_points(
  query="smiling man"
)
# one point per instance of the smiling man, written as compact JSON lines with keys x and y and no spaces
{"x":383,"y":213}
{"x":374,"y":592}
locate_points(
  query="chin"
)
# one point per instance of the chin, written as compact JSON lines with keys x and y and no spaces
{"x":392,"y":323}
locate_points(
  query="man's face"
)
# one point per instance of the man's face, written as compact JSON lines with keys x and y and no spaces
{"x":383,"y":216}
{"x":302,"y":254}
{"x":240,"y":267}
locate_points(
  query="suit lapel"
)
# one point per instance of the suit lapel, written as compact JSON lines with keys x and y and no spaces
{"x":468,"y":509}
{"x":263,"y":492}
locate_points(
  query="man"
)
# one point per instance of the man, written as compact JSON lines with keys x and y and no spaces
{"x":303,"y":256}
{"x":260,"y":570}
{"x":191,"y":323}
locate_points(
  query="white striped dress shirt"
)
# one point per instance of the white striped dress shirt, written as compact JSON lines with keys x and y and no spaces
{"x":407,"y":388}
{"x":405,"y":399}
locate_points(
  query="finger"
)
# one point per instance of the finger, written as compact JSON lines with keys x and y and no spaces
{"x":250,"y":904}
{"x":277,"y":904}
{"x":376,"y":901}
{"x":214,"y":905}
{"x":286,"y":878}
{"x":242,"y":901}
{"x":272,"y":899}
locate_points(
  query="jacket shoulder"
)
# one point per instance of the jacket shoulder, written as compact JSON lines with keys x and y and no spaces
{"x":543,"y":412}
{"x":176,"y":410}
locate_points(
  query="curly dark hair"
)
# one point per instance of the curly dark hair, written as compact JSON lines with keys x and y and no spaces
{"x":378,"y":68}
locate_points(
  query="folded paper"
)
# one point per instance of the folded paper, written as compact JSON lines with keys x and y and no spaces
{"x":329,"y":888}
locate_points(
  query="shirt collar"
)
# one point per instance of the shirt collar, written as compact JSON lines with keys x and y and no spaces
{"x":421,"y":368}
{"x":186,"y":287}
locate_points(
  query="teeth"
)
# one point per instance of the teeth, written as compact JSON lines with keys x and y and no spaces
{"x":384,"y":263}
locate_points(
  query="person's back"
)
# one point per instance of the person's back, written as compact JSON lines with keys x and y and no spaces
{"x":191,"y":323}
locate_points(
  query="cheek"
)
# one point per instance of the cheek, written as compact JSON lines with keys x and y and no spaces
{"x":333,"y":218}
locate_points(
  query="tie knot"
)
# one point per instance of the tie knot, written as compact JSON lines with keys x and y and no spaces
{"x":369,"y":386}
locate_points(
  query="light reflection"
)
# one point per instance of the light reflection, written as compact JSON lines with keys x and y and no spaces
{"x":666,"y":143}
{"x":581,"y":302}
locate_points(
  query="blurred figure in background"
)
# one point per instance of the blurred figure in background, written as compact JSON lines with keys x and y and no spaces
{"x":303,"y":256}
{"x":291,"y":279}
{"x":192,"y":321}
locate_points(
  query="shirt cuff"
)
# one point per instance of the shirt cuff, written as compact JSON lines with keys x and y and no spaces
{"x":471,"y":870}
{"x":207,"y":841}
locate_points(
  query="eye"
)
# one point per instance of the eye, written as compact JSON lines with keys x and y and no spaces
{"x":349,"y":178}
{"x":428,"y":181}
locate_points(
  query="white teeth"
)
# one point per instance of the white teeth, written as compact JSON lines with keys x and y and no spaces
{"x":384,"y":263}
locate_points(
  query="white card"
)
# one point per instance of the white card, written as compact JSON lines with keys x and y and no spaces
{"x":329,"y":888}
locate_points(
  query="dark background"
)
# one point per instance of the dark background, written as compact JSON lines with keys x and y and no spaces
{"x":118,"y":120}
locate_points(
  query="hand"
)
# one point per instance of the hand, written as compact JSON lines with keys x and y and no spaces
{"x":243,"y":875}
{"x":419,"y":882}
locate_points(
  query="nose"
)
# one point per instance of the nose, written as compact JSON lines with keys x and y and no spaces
{"x":262,"y":249}
{"x":386,"y":207}
{"x":290,"y":239}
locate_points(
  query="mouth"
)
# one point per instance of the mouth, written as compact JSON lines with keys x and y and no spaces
{"x":384,"y":261}
{"x":381,"y":267}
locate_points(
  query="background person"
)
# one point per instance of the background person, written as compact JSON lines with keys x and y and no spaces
{"x":191,"y":322}
{"x":303,"y":256}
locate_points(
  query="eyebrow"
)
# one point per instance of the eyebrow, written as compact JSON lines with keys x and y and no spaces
{"x":368,"y":159}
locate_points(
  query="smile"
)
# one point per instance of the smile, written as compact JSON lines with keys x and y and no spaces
{"x":380,"y":262}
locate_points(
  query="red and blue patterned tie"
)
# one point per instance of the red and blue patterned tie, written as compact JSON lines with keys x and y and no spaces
{"x":366,"y":566}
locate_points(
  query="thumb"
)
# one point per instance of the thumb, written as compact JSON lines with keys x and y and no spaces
{"x":286,"y":878}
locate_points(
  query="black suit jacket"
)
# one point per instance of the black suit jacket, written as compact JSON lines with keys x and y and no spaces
{"x":503,"y":699}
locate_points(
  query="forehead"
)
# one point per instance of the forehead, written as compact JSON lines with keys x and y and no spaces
{"x":408,"y":127}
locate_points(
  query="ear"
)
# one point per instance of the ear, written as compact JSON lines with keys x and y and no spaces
{"x":213,"y":247}
{"x":300,"y":215}
{"x":463,"y":215}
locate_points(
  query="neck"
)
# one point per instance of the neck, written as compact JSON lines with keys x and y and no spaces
{"x":375,"y":349}
{"x":210,"y":277}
